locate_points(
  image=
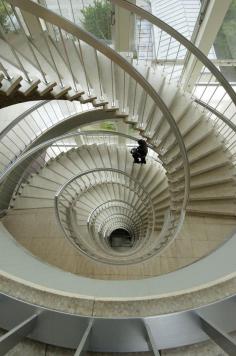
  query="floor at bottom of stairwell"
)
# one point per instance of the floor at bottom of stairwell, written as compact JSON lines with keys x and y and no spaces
{"x":38,"y":231}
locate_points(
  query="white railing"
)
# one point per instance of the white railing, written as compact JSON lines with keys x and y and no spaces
{"x":36,"y":158}
{"x":216,"y":91}
{"x":27,"y":128}
{"x":66,"y":30}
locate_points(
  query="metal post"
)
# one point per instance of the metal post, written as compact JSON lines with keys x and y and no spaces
{"x":151,"y":340}
{"x":84,"y":342}
{"x":224,"y":341}
{"x":15,"y":335}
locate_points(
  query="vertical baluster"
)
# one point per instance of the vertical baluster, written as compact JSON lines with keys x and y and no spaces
{"x":139,"y":39}
{"x":67,"y":59}
{"x":134,"y":100}
{"x":149,"y":43}
{"x":129,"y":33}
{"x":42,"y":118}
{"x":5,"y":72}
{"x":175,"y":62}
{"x":167,"y":53}
{"x":81,"y":59}
{"x":47,"y":115}
{"x":29,"y":127}
{"x":72,"y":11}
{"x":158,"y":48}
{"x":206,"y":86}
{"x":211,"y":96}
{"x":15,"y":55}
{"x":45,"y":37}
{"x":30,"y":46}
{"x":124,"y":93}
{"x":25,"y":132}
{"x":112,"y":85}
{"x":59,"y":7}
{"x":99,"y":75}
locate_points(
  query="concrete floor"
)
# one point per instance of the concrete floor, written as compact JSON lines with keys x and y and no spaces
{"x":37,"y":230}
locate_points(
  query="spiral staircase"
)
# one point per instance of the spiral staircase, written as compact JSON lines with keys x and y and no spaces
{"x":98,"y":253}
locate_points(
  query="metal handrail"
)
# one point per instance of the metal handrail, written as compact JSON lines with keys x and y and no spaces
{"x":180,"y":38}
{"x":109,"y":201}
{"x":45,"y":144}
{"x":71,"y":180}
{"x":21,"y":117}
{"x":90,"y":217}
{"x":163,"y":26}
{"x":100,"y":208}
{"x":88,"y":38}
{"x":225,"y":126}
{"x":217,"y":113}
{"x":27,"y":128}
{"x":91,"y":221}
{"x":39,"y":149}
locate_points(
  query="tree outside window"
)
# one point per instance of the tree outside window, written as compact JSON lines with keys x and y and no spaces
{"x":97,"y":19}
{"x":225,"y":44}
{"x":5,"y":11}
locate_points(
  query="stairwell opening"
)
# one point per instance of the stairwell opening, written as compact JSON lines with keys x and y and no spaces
{"x":120,"y":240}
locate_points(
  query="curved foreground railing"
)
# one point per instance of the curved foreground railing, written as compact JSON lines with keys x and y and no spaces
{"x":65,"y":303}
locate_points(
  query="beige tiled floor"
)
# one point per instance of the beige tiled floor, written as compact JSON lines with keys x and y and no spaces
{"x":37,"y":230}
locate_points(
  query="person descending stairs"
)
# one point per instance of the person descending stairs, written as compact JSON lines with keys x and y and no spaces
{"x":139,"y":153}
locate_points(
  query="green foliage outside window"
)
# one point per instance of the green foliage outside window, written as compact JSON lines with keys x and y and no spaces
{"x":97,"y":18}
{"x":225,"y":40}
{"x":107,"y":125}
{"x":4,"y":18}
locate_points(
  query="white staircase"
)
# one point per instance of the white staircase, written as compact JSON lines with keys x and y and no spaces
{"x":193,"y":153}
{"x":47,"y":163}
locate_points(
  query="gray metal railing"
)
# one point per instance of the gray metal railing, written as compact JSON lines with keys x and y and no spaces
{"x":223,"y":96}
{"x":225,"y":127}
{"x":22,"y":132}
{"x":69,"y":194}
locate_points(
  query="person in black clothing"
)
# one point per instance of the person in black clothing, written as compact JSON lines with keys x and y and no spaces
{"x":139,"y":153}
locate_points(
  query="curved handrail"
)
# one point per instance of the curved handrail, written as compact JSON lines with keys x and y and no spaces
{"x":63,"y":187}
{"x":32,"y":152}
{"x":99,"y":45}
{"x":18,"y":119}
{"x":45,"y":144}
{"x":21,"y":117}
{"x":91,"y":221}
{"x":217,"y":113}
{"x":180,"y":38}
{"x":47,"y":128}
{"x":105,"y":203}
{"x":104,"y":228}
{"x":154,"y":20}
{"x":72,"y":179}
{"x":120,"y":218}
{"x":226,"y":126}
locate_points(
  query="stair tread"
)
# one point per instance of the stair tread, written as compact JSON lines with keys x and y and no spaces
{"x":9,"y":86}
{"x":27,"y":87}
